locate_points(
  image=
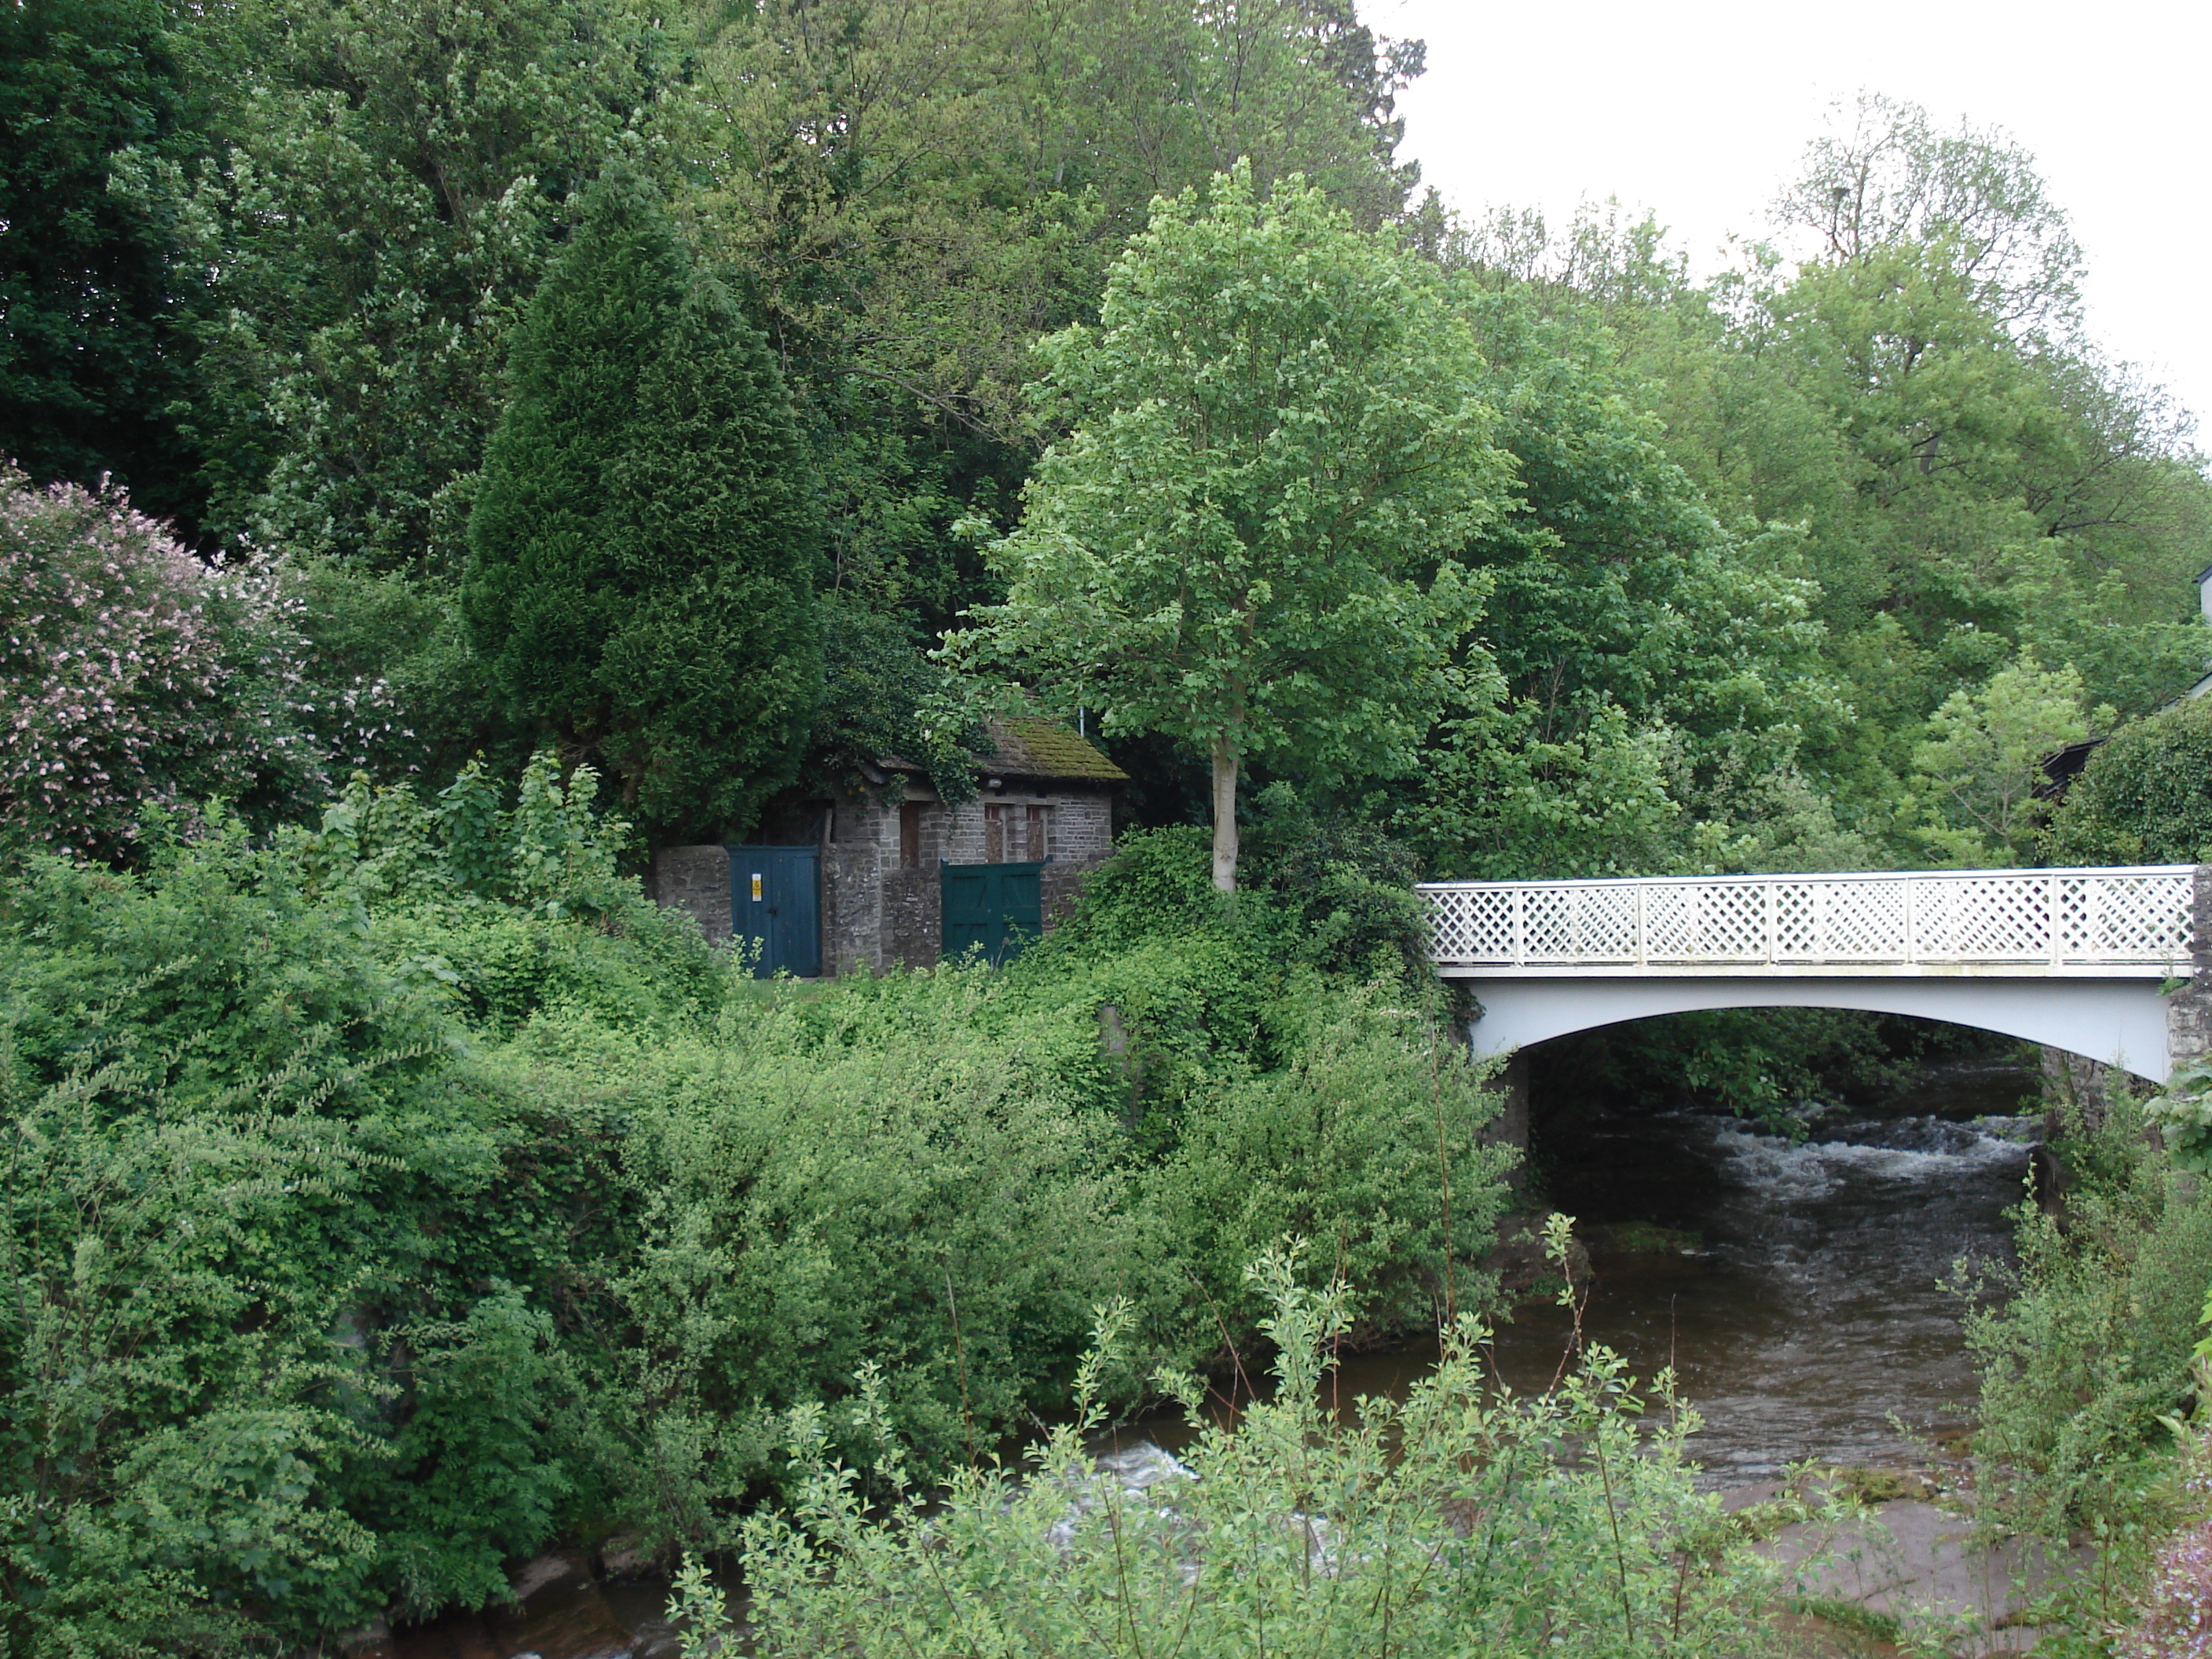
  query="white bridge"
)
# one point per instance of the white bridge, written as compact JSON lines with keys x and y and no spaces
{"x":2080,"y":959}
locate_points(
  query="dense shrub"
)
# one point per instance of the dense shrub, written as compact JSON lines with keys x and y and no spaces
{"x":2086,"y":1363}
{"x":387,"y":1200}
{"x":2145,"y":796}
{"x":1455,"y":1522}
{"x":139,"y":679}
{"x":898,"y":1195}
{"x":255,"y":1227}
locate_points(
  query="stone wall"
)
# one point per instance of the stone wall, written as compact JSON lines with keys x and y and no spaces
{"x":908,"y":922}
{"x":914,"y":917}
{"x":1079,"y":828}
{"x":877,"y":912}
{"x":2189,"y":1013}
{"x":852,"y":906}
{"x":695,"y":879}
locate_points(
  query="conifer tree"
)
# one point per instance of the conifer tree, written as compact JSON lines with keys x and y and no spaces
{"x":644,"y":544}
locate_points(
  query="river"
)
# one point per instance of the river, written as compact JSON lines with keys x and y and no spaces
{"x":1795,"y":1285}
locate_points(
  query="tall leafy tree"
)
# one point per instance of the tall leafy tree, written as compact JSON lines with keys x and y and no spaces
{"x":388,"y":182}
{"x":1276,"y":428}
{"x":918,"y":193}
{"x":1980,"y":765}
{"x":94,"y":347}
{"x":643,"y":548}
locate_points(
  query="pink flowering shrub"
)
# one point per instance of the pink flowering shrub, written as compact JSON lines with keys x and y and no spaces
{"x":136,"y":677}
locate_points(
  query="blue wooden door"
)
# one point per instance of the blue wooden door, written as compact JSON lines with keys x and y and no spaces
{"x":775,"y":897}
{"x":994,"y":908}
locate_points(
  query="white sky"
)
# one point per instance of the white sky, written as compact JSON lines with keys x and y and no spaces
{"x":1697,"y":109}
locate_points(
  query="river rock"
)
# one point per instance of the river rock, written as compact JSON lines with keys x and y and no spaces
{"x":1921,"y":1565}
{"x":625,"y":1556}
{"x":560,"y":1614}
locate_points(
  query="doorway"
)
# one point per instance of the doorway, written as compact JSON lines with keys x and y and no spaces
{"x":776,"y":899}
{"x":997,"y":908}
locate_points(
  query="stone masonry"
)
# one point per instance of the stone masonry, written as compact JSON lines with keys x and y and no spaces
{"x":695,"y":879}
{"x":1046,"y":795}
{"x":2189,"y":1010}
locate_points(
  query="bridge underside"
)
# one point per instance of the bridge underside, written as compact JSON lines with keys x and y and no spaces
{"x":2120,"y":1022}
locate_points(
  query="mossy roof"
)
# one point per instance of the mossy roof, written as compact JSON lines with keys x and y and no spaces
{"x":1033,"y":748}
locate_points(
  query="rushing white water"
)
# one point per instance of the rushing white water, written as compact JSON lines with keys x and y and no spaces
{"x":1810,"y":1318}
{"x":1799,"y":1289}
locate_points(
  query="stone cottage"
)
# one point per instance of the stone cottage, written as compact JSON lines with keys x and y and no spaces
{"x":843,"y":883}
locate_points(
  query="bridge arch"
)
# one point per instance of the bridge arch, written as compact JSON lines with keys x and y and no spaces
{"x":2122,"y":1023}
{"x":2088,"y":960}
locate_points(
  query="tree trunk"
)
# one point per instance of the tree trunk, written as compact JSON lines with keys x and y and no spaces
{"x":1225,"y":815}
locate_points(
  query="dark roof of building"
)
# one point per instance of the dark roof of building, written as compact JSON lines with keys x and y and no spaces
{"x":1027,"y":747}
{"x":2061,"y":767}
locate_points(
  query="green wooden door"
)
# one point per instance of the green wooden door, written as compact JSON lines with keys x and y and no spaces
{"x":996,"y":909}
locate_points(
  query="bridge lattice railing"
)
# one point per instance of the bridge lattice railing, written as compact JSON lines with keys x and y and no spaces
{"x":2133,"y":915}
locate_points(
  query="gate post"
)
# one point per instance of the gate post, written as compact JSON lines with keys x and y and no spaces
{"x":2189,"y":1010}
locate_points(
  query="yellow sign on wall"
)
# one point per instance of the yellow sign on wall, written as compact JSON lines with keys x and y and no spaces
{"x":757,"y":887}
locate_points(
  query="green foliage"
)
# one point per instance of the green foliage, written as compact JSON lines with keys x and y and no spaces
{"x":1905,"y":398}
{"x":231,"y":1133}
{"x":391,"y":1199}
{"x":386,"y":181}
{"x":296,"y":1283}
{"x":2145,"y":796}
{"x":1651,"y":676}
{"x":1456,"y":1520}
{"x":914,"y":207}
{"x":96,"y":356}
{"x":1276,"y":420}
{"x":2084,"y":1364}
{"x":1369,"y":1136}
{"x":875,"y":1183}
{"x":1349,"y":885}
{"x":643,"y":544}
{"x":884,"y":697}
{"x":170,"y":1460}
{"x":1982,"y":761}
{"x":389,"y":684}
{"x":2182,"y":1117}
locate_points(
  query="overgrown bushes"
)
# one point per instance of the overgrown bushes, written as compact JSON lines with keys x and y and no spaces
{"x":2086,"y":1366}
{"x":384,"y":1201}
{"x":1456,"y":1522}
{"x":2145,"y":796}
{"x":2083,"y":1363}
